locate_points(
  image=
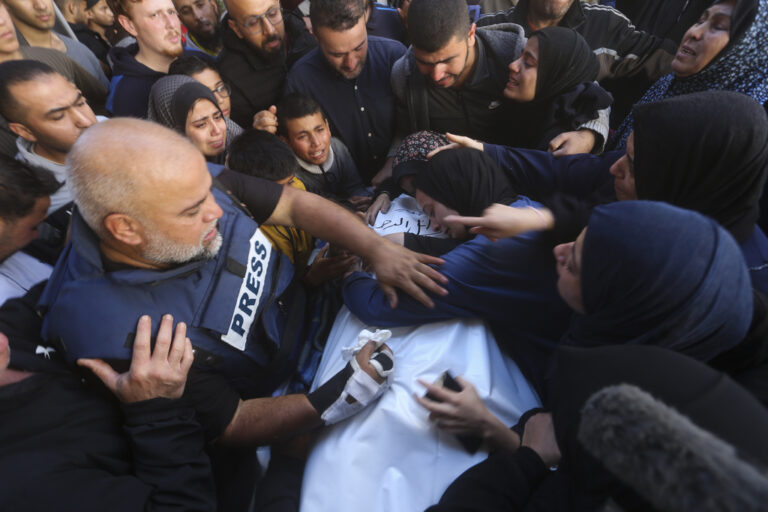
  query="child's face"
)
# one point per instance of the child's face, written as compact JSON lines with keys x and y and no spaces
{"x":309,"y":137}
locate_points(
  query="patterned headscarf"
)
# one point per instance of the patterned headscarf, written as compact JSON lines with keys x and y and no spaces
{"x":411,"y":154}
{"x":741,"y":67}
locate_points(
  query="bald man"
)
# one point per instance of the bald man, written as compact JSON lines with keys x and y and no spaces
{"x":154,"y":233}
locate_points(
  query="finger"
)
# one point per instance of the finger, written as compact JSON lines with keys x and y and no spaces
{"x":385,"y":348}
{"x":366,"y":352}
{"x":433,"y":275}
{"x":323,"y":251}
{"x":441,"y":148}
{"x":164,"y":335}
{"x":273,"y":109}
{"x":467,"y":221}
{"x":453,"y":426}
{"x":429,"y":285}
{"x":386,"y":205}
{"x":102,"y":370}
{"x":412,"y":289}
{"x":430,"y":260}
{"x":430,"y":405}
{"x":439,"y":392}
{"x":464,"y":383}
{"x":390,"y":293}
{"x":556,"y":143}
{"x":188,"y":356}
{"x":178,"y":344}
{"x":141,"y":345}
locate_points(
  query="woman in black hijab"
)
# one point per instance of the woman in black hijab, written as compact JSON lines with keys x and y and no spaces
{"x":616,"y":438}
{"x":704,"y":151}
{"x":553,"y":85}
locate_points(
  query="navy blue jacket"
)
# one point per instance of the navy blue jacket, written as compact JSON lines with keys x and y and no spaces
{"x":132,"y":81}
{"x":509,"y":283}
{"x":361,"y":111}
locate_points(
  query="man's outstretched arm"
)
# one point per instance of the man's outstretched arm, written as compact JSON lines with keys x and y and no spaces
{"x":395,"y":266}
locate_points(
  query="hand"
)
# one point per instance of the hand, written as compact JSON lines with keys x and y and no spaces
{"x":381,"y":204}
{"x":266,"y":120}
{"x":457,"y":141}
{"x":539,"y":435}
{"x":572,"y":143}
{"x":324,"y":267}
{"x":396,"y":266}
{"x":501,"y":221}
{"x":460,"y":412}
{"x":364,"y":359}
{"x":360,"y":203}
{"x":384,"y":173}
{"x":159,"y":374}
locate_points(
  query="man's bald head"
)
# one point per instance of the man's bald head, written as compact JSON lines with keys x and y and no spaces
{"x":114,"y":164}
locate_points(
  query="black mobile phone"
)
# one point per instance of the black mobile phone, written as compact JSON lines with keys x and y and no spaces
{"x":445,"y":380}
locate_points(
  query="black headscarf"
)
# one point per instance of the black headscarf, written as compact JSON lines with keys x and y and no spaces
{"x":565,"y":60}
{"x":466,"y":180}
{"x":711,"y":400}
{"x":652,"y":273}
{"x":707,"y":152}
{"x":566,"y":95}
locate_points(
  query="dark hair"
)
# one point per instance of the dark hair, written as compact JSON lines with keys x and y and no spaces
{"x":16,"y":72}
{"x":259,"y":153}
{"x":336,"y":15}
{"x":190,"y":65}
{"x":21,"y":185}
{"x":294,"y":106}
{"x":432,"y":24}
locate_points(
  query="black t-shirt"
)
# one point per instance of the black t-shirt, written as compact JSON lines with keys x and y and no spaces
{"x":258,"y":195}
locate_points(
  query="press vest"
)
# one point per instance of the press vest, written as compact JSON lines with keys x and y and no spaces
{"x":244,"y":316}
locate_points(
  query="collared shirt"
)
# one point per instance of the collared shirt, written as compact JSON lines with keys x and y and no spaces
{"x":361,"y":111}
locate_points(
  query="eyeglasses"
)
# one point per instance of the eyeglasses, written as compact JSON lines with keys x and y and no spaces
{"x":255,"y":24}
{"x":222,"y":91}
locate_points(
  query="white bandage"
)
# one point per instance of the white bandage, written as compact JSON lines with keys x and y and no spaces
{"x":360,"y":390}
{"x":379,"y":336}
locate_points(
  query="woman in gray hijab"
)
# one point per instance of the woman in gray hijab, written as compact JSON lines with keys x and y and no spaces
{"x":187,"y":106}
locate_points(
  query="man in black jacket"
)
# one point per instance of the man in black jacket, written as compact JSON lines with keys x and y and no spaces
{"x":621,"y":49}
{"x":67,"y":445}
{"x":261,"y":43}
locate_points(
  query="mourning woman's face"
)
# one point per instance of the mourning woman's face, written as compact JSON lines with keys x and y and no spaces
{"x":437,"y":213}
{"x":704,"y":40}
{"x":523,"y":73}
{"x":568,"y":265}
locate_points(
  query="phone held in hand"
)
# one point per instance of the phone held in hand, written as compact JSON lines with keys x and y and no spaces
{"x":445,"y":380}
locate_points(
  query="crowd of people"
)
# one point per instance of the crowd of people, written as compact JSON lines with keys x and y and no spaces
{"x":187,"y":195}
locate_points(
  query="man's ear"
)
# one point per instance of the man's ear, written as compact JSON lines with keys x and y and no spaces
{"x":124,"y":228}
{"x":127,"y":24}
{"x":471,"y":35}
{"x":235,"y":27}
{"x":22,"y":131}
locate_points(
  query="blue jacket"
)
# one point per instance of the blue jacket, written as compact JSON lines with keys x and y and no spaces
{"x":361,"y":112}
{"x":509,"y":283}
{"x":237,"y":305}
